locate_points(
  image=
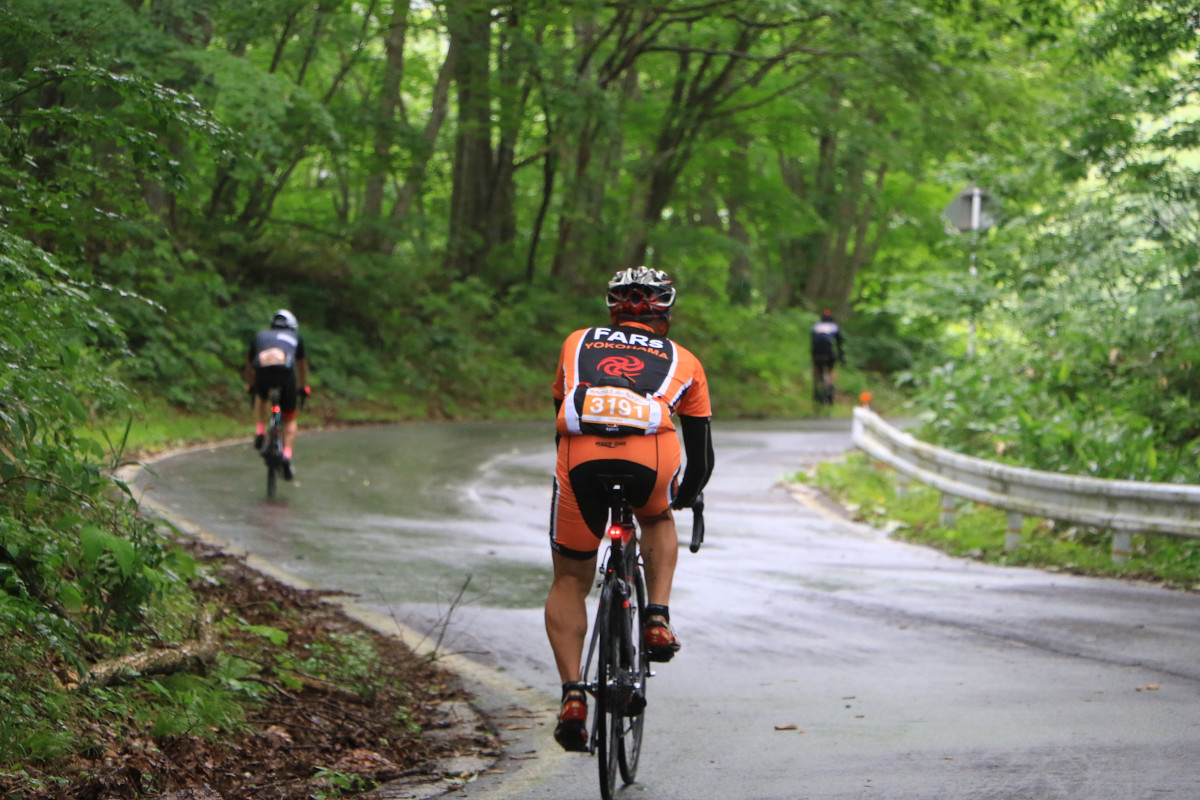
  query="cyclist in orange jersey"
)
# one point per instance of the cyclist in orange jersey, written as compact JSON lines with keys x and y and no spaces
{"x":615,"y":391}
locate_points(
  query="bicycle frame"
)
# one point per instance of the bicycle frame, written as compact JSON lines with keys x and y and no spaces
{"x":616,"y":669}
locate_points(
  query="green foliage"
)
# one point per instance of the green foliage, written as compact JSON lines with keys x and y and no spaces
{"x":340,"y":784}
{"x":1086,"y":298}
{"x":226,"y":157}
{"x":1086,"y":353}
{"x":207,"y":705}
{"x":82,"y":575}
{"x":32,"y":729}
{"x":90,"y":155}
{"x":345,"y":659}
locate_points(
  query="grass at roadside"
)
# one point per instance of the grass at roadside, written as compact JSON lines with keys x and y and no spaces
{"x":158,"y":426}
{"x":867,"y":490}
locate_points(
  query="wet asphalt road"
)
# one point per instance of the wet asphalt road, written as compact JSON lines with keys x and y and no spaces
{"x":821,"y":659}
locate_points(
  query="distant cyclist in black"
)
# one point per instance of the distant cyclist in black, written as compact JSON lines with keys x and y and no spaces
{"x":276,"y":359}
{"x":826,"y":349}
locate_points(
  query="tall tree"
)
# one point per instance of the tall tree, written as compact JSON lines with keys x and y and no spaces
{"x":385,"y":126}
{"x":469,"y":24}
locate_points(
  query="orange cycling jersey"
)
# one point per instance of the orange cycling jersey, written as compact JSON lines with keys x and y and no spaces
{"x":624,"y":380}
{"x":617,"y":388}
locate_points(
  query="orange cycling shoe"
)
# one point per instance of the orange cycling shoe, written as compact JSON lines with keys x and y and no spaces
{"x":661,"y":642}
{"x":571,"y":731}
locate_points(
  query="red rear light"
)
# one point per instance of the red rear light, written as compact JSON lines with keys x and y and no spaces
{"x":274,"y":409}
{"x":615,"y":532}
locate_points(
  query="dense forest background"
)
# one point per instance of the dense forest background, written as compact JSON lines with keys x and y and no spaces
{"x":439,"y":190}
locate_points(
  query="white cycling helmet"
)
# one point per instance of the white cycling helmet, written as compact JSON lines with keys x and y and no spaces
{"x":284,"y":319}
{"x":641,"y":291}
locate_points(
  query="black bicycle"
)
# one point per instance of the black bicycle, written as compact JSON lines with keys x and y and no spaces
{"x":616,"y":668}
{"x":272,"y":451}
{"x":823,"y":385}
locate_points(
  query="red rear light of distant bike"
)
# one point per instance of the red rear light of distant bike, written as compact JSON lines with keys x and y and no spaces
{"x":615,"y":532}
{"x":274,"y":409}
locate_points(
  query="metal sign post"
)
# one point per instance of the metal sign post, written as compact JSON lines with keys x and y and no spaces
{"x":971,"y":211}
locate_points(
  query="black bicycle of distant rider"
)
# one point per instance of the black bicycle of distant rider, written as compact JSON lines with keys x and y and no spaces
{"x":272,"y":450}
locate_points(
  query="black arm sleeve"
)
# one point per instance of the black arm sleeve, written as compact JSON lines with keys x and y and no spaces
{"x":697,"y":446}
{"x":557,"y":436}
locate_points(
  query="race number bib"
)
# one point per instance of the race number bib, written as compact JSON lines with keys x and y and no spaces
{"x":615,"y":411}
{"x":612,"y":405}
{"x":272,"y":357}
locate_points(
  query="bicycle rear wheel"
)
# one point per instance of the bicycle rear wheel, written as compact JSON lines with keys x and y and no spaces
{"x":273,"y":458}
{"x":636,"y":668}
{"x":607,"y":719}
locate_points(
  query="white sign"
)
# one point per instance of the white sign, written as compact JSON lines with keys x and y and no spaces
{"x":971,"y":210}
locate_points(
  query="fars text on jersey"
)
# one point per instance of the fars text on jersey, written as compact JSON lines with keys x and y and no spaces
{"x":623,"y":337}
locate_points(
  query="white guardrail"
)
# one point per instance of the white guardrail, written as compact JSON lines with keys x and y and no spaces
{"x":1123,"y":507}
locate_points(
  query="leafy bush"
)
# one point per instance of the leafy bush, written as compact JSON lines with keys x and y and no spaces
{"x":1086,"y":356}
{"x":82,"y":575}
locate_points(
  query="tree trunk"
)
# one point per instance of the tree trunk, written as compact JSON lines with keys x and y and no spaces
{"x":370,"y":233}
{"x":193,"y":655}
{"x":821,"y":265}
{"x":468,"y":241}
{"x":414,"y":180}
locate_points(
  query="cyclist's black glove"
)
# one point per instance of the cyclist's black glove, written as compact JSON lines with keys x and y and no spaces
{"x":683,"y":502}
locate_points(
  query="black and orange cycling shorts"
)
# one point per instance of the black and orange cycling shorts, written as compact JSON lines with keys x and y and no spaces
{"x":579,"y":513}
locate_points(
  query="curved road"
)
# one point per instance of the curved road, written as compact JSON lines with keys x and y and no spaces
{"x":821,"y":659}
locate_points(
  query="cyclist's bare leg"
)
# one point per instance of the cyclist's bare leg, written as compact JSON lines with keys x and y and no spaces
{"x":566,"y":613}
{"x":289,"y":433}
{"x":660,"y":551}
{"x":260,"y":410}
